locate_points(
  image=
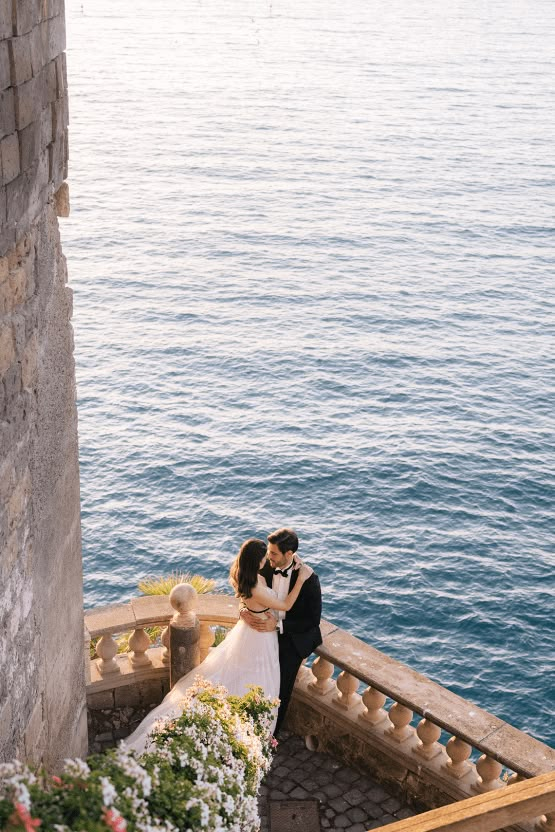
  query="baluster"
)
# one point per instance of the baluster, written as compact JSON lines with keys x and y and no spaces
{"x":347,"y":686}
{"x":546,"y":823}
{"x":106,"y":649}
{"x":489,"y":771}
{"x":322,"y":670}
{"x":207,"y":639}
{"x":165,"y":639}
{"x":458,"y":752}
{"x":428,"y":733}
{"x":374,"y":712}
{"x":400,"y":716}
{"x":515,"y":778}
{"x":139,"y":644}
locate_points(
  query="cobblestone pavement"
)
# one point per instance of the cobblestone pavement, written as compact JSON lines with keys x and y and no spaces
{"x":349,"y":801}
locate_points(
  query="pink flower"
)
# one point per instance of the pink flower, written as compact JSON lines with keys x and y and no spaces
{"x":21,"y":817}
{"x":57,"y":780}
{"x":114,"y":821}
{"x":273,"y":742}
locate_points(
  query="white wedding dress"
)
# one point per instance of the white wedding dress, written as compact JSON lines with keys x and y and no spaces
{"x":245,"y":657}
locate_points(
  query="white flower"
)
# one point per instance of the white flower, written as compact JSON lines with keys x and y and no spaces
{"x":109,"y":794}
{"x":77,"y":768}
{"x":129,"y":765}
{"x":21,"y":794}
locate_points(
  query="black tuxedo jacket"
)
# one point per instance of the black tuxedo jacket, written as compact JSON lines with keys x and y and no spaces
{"x":302,"y":622}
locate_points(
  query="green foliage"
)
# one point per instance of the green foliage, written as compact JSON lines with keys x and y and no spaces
{"x":163,"y":584}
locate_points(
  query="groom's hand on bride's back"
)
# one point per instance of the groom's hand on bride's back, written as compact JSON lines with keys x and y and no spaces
{"x":262,"y":623}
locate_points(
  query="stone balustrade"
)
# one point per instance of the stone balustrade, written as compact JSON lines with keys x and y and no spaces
{"x":123,"y":687}
{"x":425,"y":743}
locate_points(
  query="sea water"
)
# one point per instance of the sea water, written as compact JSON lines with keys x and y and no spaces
{"x":311,"y":249}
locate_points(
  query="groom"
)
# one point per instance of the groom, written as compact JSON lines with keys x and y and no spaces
{"x":299,"y":629}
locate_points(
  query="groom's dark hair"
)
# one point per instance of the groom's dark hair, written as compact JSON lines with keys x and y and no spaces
{"x":285,"y":539}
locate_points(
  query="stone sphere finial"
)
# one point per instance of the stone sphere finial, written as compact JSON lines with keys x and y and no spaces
{"x":183,"y":600}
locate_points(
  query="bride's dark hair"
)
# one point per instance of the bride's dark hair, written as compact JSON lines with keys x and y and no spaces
{"x":243,"y":574}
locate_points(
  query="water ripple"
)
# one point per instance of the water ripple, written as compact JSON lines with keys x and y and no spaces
{"x":311,"y":248}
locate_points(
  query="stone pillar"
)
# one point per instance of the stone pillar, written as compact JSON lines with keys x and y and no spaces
{"x":184,"y":632}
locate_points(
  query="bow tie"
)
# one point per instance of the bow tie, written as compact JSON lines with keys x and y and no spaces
{"x":284,"y":572}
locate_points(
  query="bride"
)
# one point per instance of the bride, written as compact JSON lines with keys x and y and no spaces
{"x":246,"y":656}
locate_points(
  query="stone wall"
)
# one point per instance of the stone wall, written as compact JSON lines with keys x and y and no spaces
{"x":33,"y":111}
{"x":42,"y":685}
{"x":114,"y":714}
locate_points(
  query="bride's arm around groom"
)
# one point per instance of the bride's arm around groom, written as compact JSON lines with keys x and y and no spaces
{"x":299,"y":629}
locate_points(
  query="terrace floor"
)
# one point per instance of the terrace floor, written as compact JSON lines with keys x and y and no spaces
{"x":347,"y":800}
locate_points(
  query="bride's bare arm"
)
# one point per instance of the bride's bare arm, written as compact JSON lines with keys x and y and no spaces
{"x":262,"y":597}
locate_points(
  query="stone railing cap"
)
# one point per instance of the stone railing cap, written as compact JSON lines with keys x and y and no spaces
{"x":156,"y":609}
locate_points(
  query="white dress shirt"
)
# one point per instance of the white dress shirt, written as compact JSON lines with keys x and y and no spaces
{"x":280,"y":585}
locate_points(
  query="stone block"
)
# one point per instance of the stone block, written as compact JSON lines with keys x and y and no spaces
{"x":18,"y":193}
{"x":29,"y":144}
{"x":65,"y":172}
{"x":7,"y":438}
{"x":12,"y":385}
{"x":50,"y":8}
{"x":7,"y":475}
{"x":25,"y":247}
{"x":30,"y":98}
{"x":29,"y":362}
{"x":7,"y":348}
{"x":6,"y":28}
{"x":20,"y":59}
{"x":18,"y":286}
{"x":31,"y":316}
{"x":56,"y":160}
{"x":41,"y":175}
{"x":29,"y":290}
{"x":61,"y":72}
{"x":128,"y":696}
{"x":9,"y":155}
{"x":151,"y":692}
{"x":5,"y":74}
{"x":39,"y":48}
{"x":7,"y":112}
{"x":51,"y":72}
{"x":60,"y":116}
{"x":45,"y":127}
{"x":56,"y":37}
{"x":18,"y":324}
{"x":61,"y":199}
{"x":26,"y":15}
{"x":10,"y":550}
{"x":3,"y":214}
{"x":104,"y":700}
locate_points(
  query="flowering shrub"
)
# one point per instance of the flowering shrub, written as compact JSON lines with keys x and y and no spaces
{"x":201,"y":771}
